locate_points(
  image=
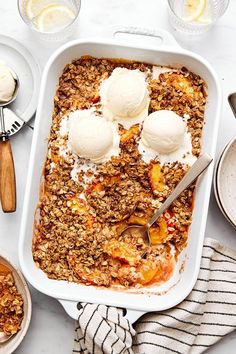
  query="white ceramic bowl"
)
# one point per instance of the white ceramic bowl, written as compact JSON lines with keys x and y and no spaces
{"x":225,"y":182}
{"x":13,"y":342}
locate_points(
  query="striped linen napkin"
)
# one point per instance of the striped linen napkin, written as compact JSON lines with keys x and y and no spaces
{"x":202,"y":319}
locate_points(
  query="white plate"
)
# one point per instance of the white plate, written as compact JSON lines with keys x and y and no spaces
{"x":219,"y":203}
{"x":216,"y":187}
{"x":19,"y":59}
{"x":225,"y":182}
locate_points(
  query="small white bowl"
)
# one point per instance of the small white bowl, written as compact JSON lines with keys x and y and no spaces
{"x":13,"y":342}
{"x":225,"y":182}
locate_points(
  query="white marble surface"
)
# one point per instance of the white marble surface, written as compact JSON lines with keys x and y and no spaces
{"x":51,"y":330}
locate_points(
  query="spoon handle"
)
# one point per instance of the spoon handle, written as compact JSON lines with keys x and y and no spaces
{"x":7,"y":178}
{"x":198,"y":167}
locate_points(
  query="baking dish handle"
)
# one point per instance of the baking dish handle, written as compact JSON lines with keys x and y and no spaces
{"x":72,"y":310}
{"x":132,"y":315}
{"x":165,"y":38}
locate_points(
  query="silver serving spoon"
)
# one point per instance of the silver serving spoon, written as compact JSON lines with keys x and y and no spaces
{"x":7,"y":170}
{"x":4,"y":270}
{"x":144,"y":231}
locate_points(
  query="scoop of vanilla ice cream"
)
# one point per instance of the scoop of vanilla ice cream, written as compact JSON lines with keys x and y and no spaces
{"x":90,"y":136}
{"x":7,"y":83}
{"x":124,"y":95}
{"x":163,"y":131}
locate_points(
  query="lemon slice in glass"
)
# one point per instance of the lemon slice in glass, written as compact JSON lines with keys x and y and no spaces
{"x":54,"y":18}
{"x":194,"y":9}
{"x":34,"y":7}
{"x":206,"y":16}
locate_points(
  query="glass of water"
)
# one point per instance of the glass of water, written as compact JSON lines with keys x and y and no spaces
{"x":50,"y":19}
{"x":195,"y":16}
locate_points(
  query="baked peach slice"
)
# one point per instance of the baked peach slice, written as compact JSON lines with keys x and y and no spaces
{"x":124,"y":252}
{"x":156,"y":178}
{"x":129,"y":134}
{"x":159,"y":232}
{"x":148,"y":271}
{"x":80,"y":207}
{"x":141,"y":220}
{"x":56,"y":159}
{"x":96,"y":186}
{"x":158,"y":272}
{"x":137,"y":220}
{"x":99,"y":186}
{"x":95,"y":99}
{"x":184,"y":84}
{"x":112,"y":180}
{"x":77,"y":205}
{"x":163,"y":227}
{"x":181,"y":83}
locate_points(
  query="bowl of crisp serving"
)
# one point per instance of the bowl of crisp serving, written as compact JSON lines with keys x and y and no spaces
{"x":15,"y":307}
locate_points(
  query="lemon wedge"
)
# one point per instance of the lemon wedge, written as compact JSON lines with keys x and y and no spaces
{"x":194,"y":9}
{"x":34,"y":7}
{"x":54,"y":18}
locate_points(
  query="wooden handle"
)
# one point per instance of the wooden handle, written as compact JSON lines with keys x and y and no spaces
{"x":7,"y":178}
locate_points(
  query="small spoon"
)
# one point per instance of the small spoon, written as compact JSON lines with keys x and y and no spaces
{"x":7,"y":170}
{"x":4,"y":270}
{"x":144,"y":231}
{"x":4,"y":337}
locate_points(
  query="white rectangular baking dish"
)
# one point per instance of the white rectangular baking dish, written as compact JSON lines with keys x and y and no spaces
{"x":166,"y":53}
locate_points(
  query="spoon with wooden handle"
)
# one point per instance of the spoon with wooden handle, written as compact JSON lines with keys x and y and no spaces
{"x":7,"y":170}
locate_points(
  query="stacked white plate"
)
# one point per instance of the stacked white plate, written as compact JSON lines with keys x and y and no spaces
{"x":225,"y":182}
